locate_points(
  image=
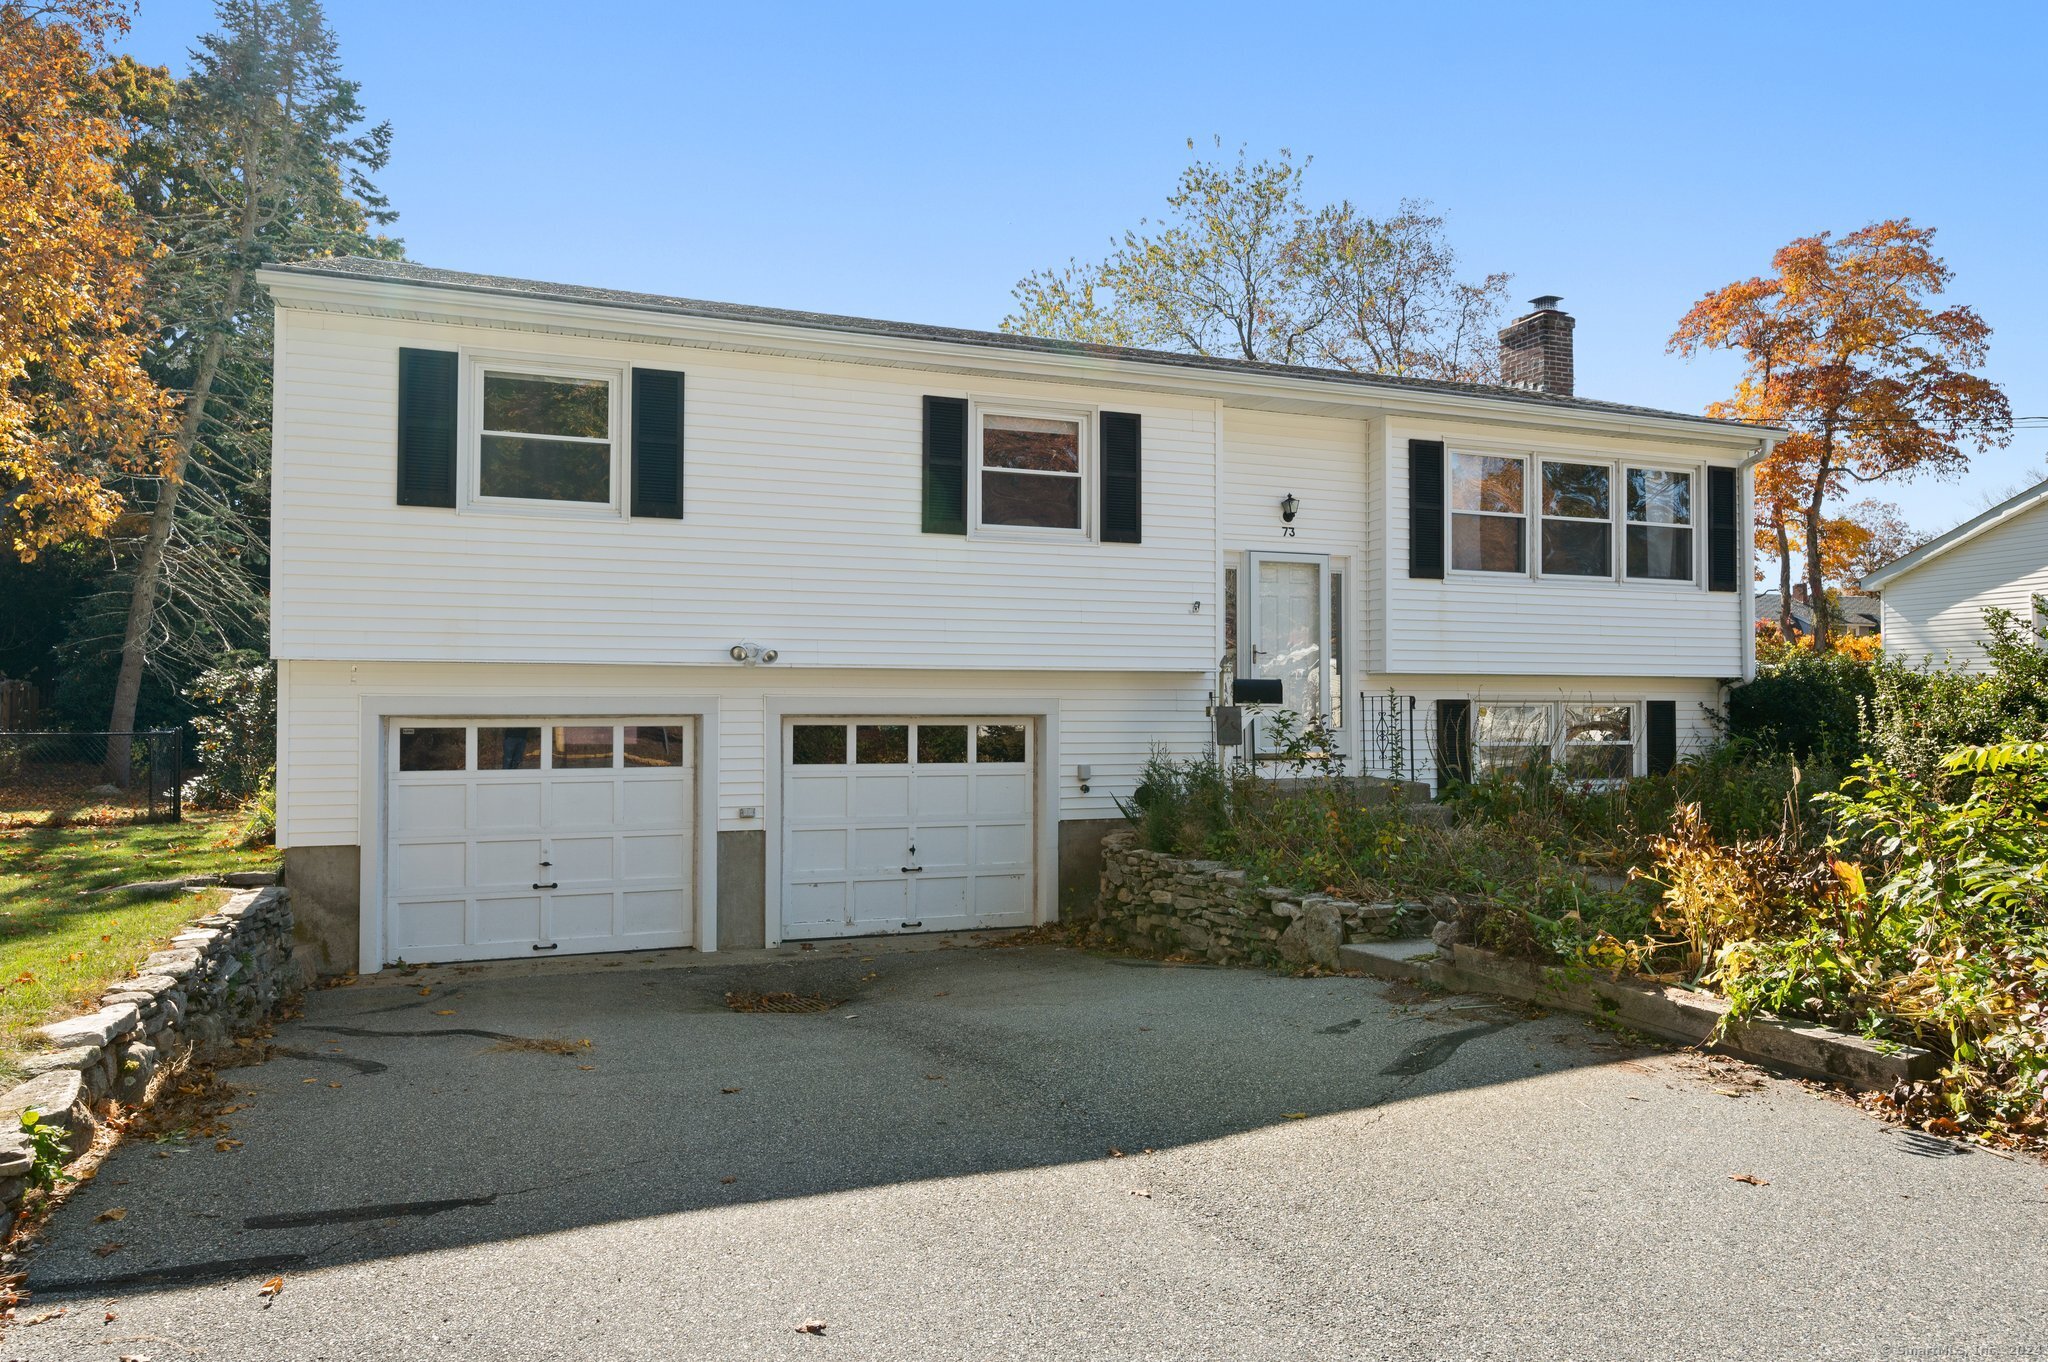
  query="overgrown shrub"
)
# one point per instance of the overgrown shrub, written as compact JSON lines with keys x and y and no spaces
{"x":1332,"y":834}
{"x":1923,"y":917}
{"x":236,"y":731}
{"x":1807,"y":705}
{"x":1918,"y":716}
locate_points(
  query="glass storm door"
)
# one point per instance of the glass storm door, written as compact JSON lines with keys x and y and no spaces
{"x":1289,"y":604}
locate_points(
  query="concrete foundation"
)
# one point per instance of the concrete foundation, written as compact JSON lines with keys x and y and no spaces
{"x":1081,"y":864}
{"x":327,"y":909}
{"x":742,"y":889}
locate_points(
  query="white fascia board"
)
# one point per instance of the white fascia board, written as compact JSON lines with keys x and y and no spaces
{"x":425,"y":302}
{"x":1962,"y":534}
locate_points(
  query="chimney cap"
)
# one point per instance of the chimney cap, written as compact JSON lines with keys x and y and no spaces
{"x":1547,"y":303}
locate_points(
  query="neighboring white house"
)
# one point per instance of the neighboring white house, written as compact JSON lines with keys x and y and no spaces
{"x":1935,"y":597}
{"x":606,"y":620}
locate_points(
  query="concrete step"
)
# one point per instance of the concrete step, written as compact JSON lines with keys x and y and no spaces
{"x":1409,"y":958}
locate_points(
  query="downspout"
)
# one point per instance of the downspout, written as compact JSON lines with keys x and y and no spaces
{"x":1747,"y":528}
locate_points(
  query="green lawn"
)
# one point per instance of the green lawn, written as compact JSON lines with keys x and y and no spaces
{"x":59,"y":949}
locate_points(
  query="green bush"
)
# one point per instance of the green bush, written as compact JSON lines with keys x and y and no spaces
{"x":1808,"y":705}
{"x":1917,"y":717}
{"x":237,"y":732}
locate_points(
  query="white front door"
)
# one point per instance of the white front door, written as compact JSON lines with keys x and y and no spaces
{"x":522,"y":837}
{"x":906,"y":825}
{"x":1289,"y":605}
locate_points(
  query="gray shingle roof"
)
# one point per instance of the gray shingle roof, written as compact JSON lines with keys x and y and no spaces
{"x":1861,"y":614}
{"x":405,"y":272}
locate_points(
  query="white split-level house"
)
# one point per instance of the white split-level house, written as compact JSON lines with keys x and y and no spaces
{"x":1934,"y":598}
{"x":607,"y":621}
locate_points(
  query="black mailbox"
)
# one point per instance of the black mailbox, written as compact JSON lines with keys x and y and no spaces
{"x":1255,"y":690}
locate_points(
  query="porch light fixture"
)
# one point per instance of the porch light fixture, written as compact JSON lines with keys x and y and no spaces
{"x":1289,"y":504}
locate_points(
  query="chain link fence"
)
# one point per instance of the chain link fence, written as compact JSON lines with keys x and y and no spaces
{"x":48,"y":779}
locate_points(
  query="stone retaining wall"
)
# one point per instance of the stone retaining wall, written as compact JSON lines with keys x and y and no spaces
{"x":1175,"y":906}
{"x":227,"y":971}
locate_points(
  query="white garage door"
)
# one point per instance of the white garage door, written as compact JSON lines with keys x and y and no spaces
{"x":518,"y":837}
{"x":911,"y":825}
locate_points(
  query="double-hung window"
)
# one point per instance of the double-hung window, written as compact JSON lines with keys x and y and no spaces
{"x":546,"y":437}
{"x":1031,"y":472}
{"x":1489,"y":513}
{"x":1578,"y":515}
{"x":1596,"y":742}
{"x":1659,"y":525}
{"x":1509,"y":738}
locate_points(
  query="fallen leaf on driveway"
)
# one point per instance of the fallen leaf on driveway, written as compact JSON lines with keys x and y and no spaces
{"x":444,"y":1012}
{"x":728,"y":1091}
{"x":1295,"y":1115}
{"x":1750,"y":1178}
{"x":1115,"y":1153}
{"x":586,"y":1067}
{"x":334,"y":1085}
{"x":226,"y":1146}
{"x":309,"y":1080}
{"x":426,"y":993}
{"x":811,"y":1326}
{"x":111,"y":1246}
{"x":111,"y":1213}
{"x":1140,"y":1191}
{"x":729,"y":1177}
{"x":271,"y":1287}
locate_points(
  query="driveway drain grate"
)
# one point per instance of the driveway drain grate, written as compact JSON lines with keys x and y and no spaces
{"x":748,"y":1001}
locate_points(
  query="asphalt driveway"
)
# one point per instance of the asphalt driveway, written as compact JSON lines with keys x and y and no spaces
{"x":1311,"y":1169}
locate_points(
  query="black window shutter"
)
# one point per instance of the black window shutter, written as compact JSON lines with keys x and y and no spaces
{"x":426,"y":427}
{"x":1123,"y":478}
{"x":1722,"y":540}
{"x":945,"y":465}
{"x":1453,"y":740}
{"x":1426,"y":508}
{"x":1662,"y":735}
{"x":658,"y":443}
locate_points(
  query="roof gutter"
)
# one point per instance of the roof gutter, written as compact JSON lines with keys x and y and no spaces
{"x":434,"y":302}
{"x":1746,"y":644}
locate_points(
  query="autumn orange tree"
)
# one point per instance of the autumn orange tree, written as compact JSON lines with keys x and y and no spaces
{"x":76,"y":405}
{"x":1844,"y":346}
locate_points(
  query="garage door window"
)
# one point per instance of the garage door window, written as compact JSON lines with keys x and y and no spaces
{"x":942,"y":744}
{"x":508,"y":749}
{"x":818,"y":744}
{"x":999,"y":743}
{"x":583,"y":749}
{"x":881,"y":744}
{"x":433,"y":749}
{"x":648,"y":745}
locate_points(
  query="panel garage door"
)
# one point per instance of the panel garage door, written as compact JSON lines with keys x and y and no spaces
{"x":516,"y":837}
{"x":910,"y":825}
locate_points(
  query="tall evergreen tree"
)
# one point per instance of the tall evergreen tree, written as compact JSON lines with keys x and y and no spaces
{"x":258,"y":156}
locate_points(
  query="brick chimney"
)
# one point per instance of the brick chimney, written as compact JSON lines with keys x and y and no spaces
{"x":1536,"y":350}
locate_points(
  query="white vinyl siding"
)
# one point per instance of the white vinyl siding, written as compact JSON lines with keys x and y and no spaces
{"x":1106,"y":720}
{"x":1519,"y":625}
{"x":1936,"y":611}
{"x":802,"y":530}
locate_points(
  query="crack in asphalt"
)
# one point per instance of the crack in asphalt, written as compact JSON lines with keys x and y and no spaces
{"x":361,"y":1066}
{"x":1420,"y":1059}
{"x":343,"y":1215}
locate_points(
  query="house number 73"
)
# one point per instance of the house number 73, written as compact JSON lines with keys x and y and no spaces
{"x":1287,"y":532}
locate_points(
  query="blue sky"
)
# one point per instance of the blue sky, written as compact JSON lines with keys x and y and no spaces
{"x":913,"y":162}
